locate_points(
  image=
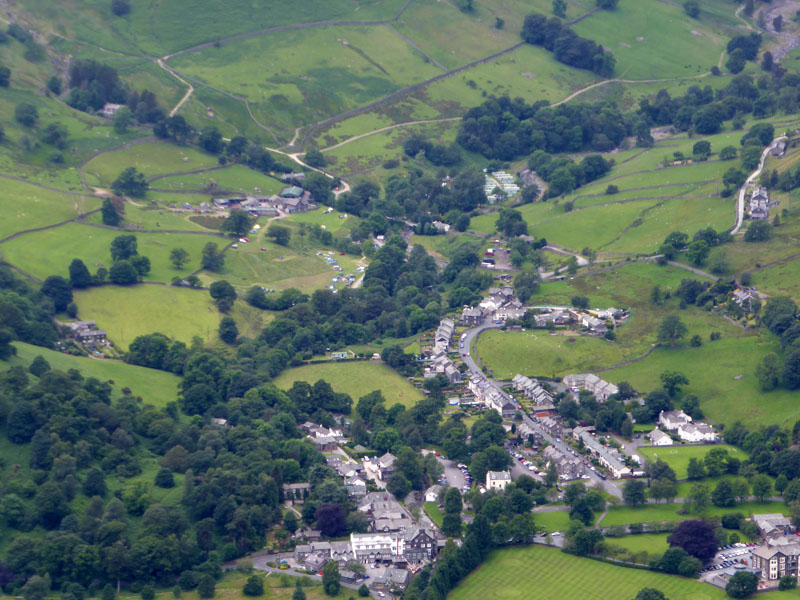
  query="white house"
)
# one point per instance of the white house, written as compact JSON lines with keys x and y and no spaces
{"x":697,"y":432}
{"x":497,"y":480}
{"x":673,"y":419}
{"x":659,"y":438}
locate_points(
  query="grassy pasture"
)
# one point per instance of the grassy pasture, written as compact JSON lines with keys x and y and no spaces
{"x":537,"y":571}
{"x":179,"y":313}
{"x":555,"y":520}
{"x":166,"y":27}
{"x":639,"y":34}
{"x":678,"y":457}
{"x":629,"y":286}
{"x":356,"y":378}
{"x":301,"y":76}
{"x":155,"y":387}
{"x":539,"y":353}
{"x":57,"y":247}
{"x":236,"y":178}
{"x":722,"y":375}
{"x":150,"y":158}
{"x":281,"y":267}
{"x":24,"y":206}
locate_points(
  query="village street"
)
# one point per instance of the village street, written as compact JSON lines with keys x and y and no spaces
{"x":470,"y":336}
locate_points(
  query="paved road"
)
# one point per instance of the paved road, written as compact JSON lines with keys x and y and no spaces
{"x":749,"y":183}
{"x":466,"y":354}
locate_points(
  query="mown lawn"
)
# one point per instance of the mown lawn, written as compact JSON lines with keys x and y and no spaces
{"x":155,"y":387}
{"x":541,"y":572}
{"x":678,"y":457}
{"x":356,"y":378}
{"x":434,"y":512}
{"x":554,"y":520}
{"x":652,"y":543}
{"x":178,"y":313}
{"x":625,"y":515}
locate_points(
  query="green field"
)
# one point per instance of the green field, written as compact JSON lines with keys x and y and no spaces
{"x":155,"y":387}
{"x":540,"y":572}
{"x":722,"y":375}
{"x":179,"y":313}
{"x":339,"y":68}
{"x":24,"y":206}
{"x":625,"y":515}
{"x":538,"y":353}
{"x":356,"y":378}
{"x":652,"y":543}
{"x":281,"y":267}
{"x":235,"y":178}
{"x":678,"y":456}
{"x":57,"y":247}
{"x":434,"y":512}
{"x":554,"y":520}
{"x":151,"y":158}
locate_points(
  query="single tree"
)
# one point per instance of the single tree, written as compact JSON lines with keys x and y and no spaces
{"x":213,"y":259}
{"x":237,"y":224}
{"x":254,"y":586}
{"x":692,"y":8}
{"x":671,"y":330}
{"x":650,"y":594}
{"x":130,"y":183}
{"x":331,"y":578}
{"x":206,"y":587}
{"x":123,"y":247}
{"x":178,"y":256}
{"x":26,"y":114}
{"x":633,"y":492}
{"x":742,"y":584}
{"x":123,"y":272}
{"x":673,"y":381}
{"x":696,"y":537}
{"x":762,"y":487}
{"x":110,"y":213}
{"x":280,"y":234}
{"x":79,"y":275}
{"x":560,"y":8}
{"x":228,"y":331}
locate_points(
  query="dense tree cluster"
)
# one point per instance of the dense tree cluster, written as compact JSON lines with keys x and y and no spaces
{"x":507,"y":129}
{"x":25,"y":313}
{"x":564,"y":175}
{"x":567,"y":46}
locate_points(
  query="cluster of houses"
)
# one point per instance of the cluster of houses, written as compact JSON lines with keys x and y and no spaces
{"x":499,"y":305}
{"x":595,"y":321}
{"x":611,"y":458}
{"x":324,"y":439}
{"x":569,"y":467}
{"x":440,"y":363}
{"x":290,"y":200}
{"x":86,"y":332}
{"x":394,"y":540}
{"x":682,"y":425}
{"x":590,"y":382}
{"x":533,"y":391}
{"x":499,"y":180}
{"x":487,"y":393}
{"x":759,"y":204}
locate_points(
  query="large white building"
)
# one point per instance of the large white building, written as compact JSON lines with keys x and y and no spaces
{"x":497,"y":480}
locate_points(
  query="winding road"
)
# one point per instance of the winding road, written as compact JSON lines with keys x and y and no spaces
{"x":748,"y":184}
{"x":470,"y":337}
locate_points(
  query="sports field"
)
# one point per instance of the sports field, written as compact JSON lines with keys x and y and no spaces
{"x":356,"y":378}
{"x":678,"y":457}
{"x":155,"y":387}
{"x":540,"y":572}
